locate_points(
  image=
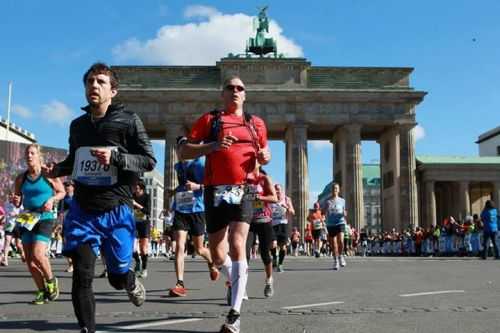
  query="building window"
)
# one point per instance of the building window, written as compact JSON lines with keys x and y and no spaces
{"x":498,"y":150}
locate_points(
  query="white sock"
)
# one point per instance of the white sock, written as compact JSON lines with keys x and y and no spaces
{"x":238,"y":283}
{"x":270,"y":280}
{"x":227,"y":267}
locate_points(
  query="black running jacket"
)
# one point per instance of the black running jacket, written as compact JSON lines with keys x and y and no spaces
{"x":119,"y":128}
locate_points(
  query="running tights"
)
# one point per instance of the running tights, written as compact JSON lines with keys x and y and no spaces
{"x":82,"y":294}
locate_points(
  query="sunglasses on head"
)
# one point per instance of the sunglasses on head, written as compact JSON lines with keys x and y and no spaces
{"x":231,"y":87}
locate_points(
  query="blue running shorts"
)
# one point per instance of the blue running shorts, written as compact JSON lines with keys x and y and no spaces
{"x":111,"y":232}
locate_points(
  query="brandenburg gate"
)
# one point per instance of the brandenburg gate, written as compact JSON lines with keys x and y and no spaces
{"x":298,"y":102}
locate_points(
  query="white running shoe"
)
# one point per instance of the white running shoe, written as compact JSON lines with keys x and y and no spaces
{"x":342,"y":261}
{"x":335,"y":265}
{"x":232,"y":324}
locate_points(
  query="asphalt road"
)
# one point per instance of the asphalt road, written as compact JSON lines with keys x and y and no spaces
{"x":370,"y":295}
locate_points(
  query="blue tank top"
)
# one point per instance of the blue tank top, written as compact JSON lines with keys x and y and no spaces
{"x":35,"y":193}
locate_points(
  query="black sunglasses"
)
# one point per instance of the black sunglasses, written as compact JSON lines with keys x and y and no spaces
{"x":231,"y":87}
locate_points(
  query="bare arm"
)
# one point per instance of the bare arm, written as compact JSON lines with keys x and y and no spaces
{"x":271,"y":196}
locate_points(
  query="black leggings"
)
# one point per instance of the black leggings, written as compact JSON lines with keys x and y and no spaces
{"x":82,"y":294}
{"x":265,"y":233}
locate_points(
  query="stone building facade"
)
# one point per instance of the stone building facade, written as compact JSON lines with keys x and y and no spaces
{"x":298,"y":102}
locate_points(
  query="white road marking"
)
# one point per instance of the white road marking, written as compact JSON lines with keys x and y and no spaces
{"x":309,"y":305}
{"x":434,"y":293}
{"x":155,"y":323}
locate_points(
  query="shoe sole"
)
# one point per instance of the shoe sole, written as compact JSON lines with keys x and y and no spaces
{"x":174,"y":294}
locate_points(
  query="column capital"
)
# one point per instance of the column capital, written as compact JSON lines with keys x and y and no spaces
{"x":406,"y":127}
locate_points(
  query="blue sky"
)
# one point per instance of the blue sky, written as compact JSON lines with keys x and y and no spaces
{"x":453,"y":45}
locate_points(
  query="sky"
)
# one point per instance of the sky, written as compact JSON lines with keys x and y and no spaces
{"x":453,"y":45}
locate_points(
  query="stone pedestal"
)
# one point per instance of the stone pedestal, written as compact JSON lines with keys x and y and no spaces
{"x":297,"y":175}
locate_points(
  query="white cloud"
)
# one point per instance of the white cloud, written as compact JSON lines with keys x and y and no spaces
{"x":419,"y":132}
{"x":56,"y":112}
{"x":203,"y":42}
{"x":22,"y":111}
{"x":321,"y":144}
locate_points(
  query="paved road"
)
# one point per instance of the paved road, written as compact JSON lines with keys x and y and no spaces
{"x":370,"y":295}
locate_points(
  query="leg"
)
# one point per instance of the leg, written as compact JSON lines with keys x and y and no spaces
{"x":143,"y":249}
{"x":238,"y":233}
{"x":35,"y":271}
{"x":180,"y":237}
{"x":82,"y":294}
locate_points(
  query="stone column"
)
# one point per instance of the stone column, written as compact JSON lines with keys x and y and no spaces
{"x":298,"y":178}
{"x":353,"y":187}
{"x":464,"y":201}
{"x":496,"y":194}
{"x":172,"y":131}
{"x":407,"y":177}
{"x":430,"y":204}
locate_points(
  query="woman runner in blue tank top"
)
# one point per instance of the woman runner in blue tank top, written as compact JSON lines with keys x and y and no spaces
{"x":38,"y":196}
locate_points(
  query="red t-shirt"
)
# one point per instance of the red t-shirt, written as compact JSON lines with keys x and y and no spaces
{"x":230,"y":166}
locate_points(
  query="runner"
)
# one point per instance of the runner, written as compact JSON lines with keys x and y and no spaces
{"x":12,"y":231}
{"x":108,"y":147}
{"x":336,"y":213}
{"x":316,"y":220}
{"x":295,"y":239}
{"x":232,"y":141}
{"x":39,"y":196}
{"x":63,"y":209}
{"x":142,"y":214}
{"x":189,"y":218}
{"x":282,"y":210}
{"x":261,"y":225}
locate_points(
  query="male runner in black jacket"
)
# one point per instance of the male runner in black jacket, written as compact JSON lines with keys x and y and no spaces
{"x":108,"y":146}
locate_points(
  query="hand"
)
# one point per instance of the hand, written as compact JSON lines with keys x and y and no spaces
{"x":48,"y":205}
{"x":48,"y":170}
{"x":263,"y":156}
{"x":225,"y":142}
{"x":103,"y":155}
{"x":191,"y":186}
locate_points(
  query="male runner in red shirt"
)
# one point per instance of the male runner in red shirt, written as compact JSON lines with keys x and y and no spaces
{"x":232,"y":142}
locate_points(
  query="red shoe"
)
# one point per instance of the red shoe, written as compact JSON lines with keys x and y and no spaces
{"x":214,"y":272}
{"x":178,"y":291}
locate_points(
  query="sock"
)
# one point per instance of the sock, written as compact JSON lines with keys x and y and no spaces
{"x":144,"y":258}
{"x":227,"y":268}
{"x":238,"y":283}
{"x":270,"y":280}
{"x":282,"y":256}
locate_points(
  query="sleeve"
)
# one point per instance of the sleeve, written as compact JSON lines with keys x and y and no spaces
{"x":65,"y":167}
{"x":261,"y":129}
{"x":201,"y":129}
{"x":140,"y":156}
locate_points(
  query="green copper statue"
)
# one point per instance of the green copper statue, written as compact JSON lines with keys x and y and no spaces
{"x":261,"y":45}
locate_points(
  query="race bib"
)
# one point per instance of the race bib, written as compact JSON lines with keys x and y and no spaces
{"x":279,"y":212}
{"x":231,"y":194}
{"x":317,"y":224}
{"x":87,"y":169}
{"x":139,"y":215}
{"x":28,"y":220}
{"x":10,"y":225}
{"x":184,"y":200}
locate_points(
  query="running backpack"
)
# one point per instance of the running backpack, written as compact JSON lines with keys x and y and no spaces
{"x":216,"y":125}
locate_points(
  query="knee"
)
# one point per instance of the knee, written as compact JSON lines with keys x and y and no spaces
{"x":82,"y":278}
{"x":266,"y":258}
